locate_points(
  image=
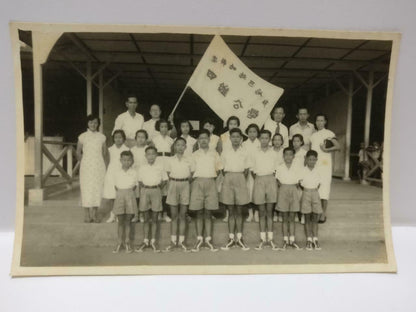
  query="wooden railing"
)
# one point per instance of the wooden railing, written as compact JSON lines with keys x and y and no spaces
{"x":68,"y":153}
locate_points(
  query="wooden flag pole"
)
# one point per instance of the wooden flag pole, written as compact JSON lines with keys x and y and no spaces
{"x":179,"y":100}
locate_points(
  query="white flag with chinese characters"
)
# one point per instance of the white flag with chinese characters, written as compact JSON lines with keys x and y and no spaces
{"x":230,"y":88}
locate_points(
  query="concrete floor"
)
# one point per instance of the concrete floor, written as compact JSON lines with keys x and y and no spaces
{"x":54,"y":235}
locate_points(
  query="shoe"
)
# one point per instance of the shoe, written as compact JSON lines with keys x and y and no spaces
{"x":294,"y":245}
{"x":249,"y":218}
{"x":128,"y":248}
{"x":154,"y":247}
{"x":296,"y":218}
{"x":284,"y":247}
{"x":273,"y":245}
{"x":275,"y":218}
{"x":135,"y":219}
{"x":302,"y":219}
{"x":280,"y":219}
{"x":183,"y":246}
{"x":231,"y":243}
{"x":316,"y":245}
{"x":167,"y":219}
{"x":225,"y":219}
{"x":118,"y":248}
{"x":142,"y":247}
{"x":243,"y":246}
{"x":256,"y":217}
{"x":308,"y":246}
{"x":141,"y":219}
{"x":171,"y":247}
{"x":322,"y":221}
{"x":210,"y":246}
{"x":112,"y":218}
{"x":260,"y":245}
{"x":197,"y":245}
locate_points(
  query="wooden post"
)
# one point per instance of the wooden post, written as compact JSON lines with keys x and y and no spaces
{"x":348,"y":130}
{"x":38,"y":99}
{"x":101,"y":100}
{"x":69,"y":165}
{"x":367,"y":124}
{"x":89,"y":88}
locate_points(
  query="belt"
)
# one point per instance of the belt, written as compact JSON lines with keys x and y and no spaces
{"x":164,"y":154}
{"x":150,"y":187}
{"x":179,"y":180}
{"x":309,"y":189}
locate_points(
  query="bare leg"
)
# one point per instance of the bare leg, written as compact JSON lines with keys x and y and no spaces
{"x":120,"y":229}
{"x":285,"y":225}
{"x":231,"y":219}
{"x":239,"y":219}
{"x":308,"y":225}
{"x":269,"y":217}
{"x":155,"y":224}
{"x":199,"y":223}
{"x":146,"y":225}
{"x":127,"y":227}
{"x":262,"y":218}
{"x":87,"y":218}
{"x":207,"y":223}
{"x":292,"y":223}
{"x":182,"y":219}
{"x":324,"y":207}
{"x":314,"y":221}
{"x":174,"y":223}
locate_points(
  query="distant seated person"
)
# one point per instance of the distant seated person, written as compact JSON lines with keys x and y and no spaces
{"x":370,"y":162}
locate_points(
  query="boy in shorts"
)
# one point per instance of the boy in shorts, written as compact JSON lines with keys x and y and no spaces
{"x":234,"y":192}
{"x":152,"y":178}
{"x":179,"y":169}
{"x":204,"y":193}
{"x":311,"y":203}
{"x":265,"y":187}
{"x":287,"y":175}
{"x":125,"y":183}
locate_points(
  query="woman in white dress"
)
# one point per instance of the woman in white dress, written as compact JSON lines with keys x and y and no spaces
{"x":252,"y":144}
{"x":114,"y":151}
{"x":92,"y":153}
{"x":324,"y":142}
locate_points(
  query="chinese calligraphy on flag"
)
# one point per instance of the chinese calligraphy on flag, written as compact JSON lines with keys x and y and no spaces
{"x":230,"y":88}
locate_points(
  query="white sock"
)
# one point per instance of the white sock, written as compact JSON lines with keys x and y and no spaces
{"x":309,"y":239}
{"x":231,"y":235}
{"x":286,"y":239}
{"x":146,"y":241}
{"x":315,"y":238}
{"x":199,"y":238}
{"x":270,"y":236}
{"x":239,"y":236}
{"x":153,"y":240}
{"x":173,"y":238}
{"x":181,"y":238}
{"x":263,"y":236}
{"x":208,"y":238}
{"x":292,"y":238}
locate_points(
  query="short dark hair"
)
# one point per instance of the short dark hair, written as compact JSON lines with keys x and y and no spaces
{"x":322,"y":115}
{"x":253,"y":125}
{"x":142,"y":131}
{"x":300,"y":136}
{"x":264,"y":131}
{"x":302,"y":107}
{"x":126,"y":153}
{"x":312,"y":153}
{"x":91,"y":117}
{"x":278,"y":134}
{"x":131,"y":95}
{"x":208,"y":120}
{"x":236,"y":130}
{"x":276,"y":107}
{"x":156,"y":105}
{"x":159,"y":122}
{"x":233,"y":118}
{"x":123,"y":134}
{"x":150,"y":148}
{"x":204,"y":131}
{"x":179,"y":139}
{"x":287,"y":149}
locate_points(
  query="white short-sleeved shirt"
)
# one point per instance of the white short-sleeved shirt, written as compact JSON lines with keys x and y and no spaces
{"x":263,"y":162}
{"x":179,"y":168}
{"x":287,"y":175}
{"x":206,"y":163}
{"x":151,"y":175}
{"x":163,"y":144}
{"x":235,"y":160}
{"x":190,"y":142}
{"x":213,"y":142}
{"x":129,"y":124}
{"x":125,"y":179}
{"x":310,"y":179}
{"x":305,"y":131}
{"x":299,"y":160}
{"x":115,"y":153}
{"x":271,"y":125}
{"x":149,"y":126}
{"x":139,"y":156}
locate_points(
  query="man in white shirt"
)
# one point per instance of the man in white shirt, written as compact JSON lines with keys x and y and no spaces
{"x":274,"y":124}
{"x":149,"y":125}
{"x":129,"y":121}
{"x":302,"y":127}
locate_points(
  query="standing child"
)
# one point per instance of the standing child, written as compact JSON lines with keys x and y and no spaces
{"x":204,"y":194}
{"x":213,"y":138}
{"x":299,"y":162}
{"x":311,"y":203}
{"x":185,"y":128}
{"x":114,"y":151}
{"x":163,"y":143}
{"x":277,"y":143}
{"x":234,"y":191}
{"x":179,"y":171}
{"x":139,"y":156}
{"x":265,"y":188}
{"x":252,"y":144}
{"x":125,"y":182}
{"x":287,"y":176}
{"x":152,"y":178}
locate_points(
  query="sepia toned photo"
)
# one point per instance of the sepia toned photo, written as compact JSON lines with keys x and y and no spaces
{"x":202,"y":150}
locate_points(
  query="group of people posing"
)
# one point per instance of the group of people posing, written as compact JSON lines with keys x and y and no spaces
{"x":274,"y":171}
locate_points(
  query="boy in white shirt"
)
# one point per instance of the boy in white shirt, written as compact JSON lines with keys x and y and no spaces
{"x":125,"y":182}
{"x":263,"y":166}
{"x":311,"y":207}
{"x":152,"y":178}
{"x":179,"y":169}
{"x":204,"y":193}
{"x":287,"y":176}
{"x":234,"y":192}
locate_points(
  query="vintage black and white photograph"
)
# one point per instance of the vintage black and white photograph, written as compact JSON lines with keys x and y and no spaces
{"x":202,"y":150}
